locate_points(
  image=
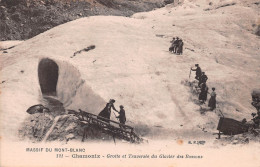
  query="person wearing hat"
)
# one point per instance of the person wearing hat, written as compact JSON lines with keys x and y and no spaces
{"x":106,"y":112}
{"x":203,"y":93}
{"x":180,"y":47}
{"x":173,"y":39}
{"x":203,"y":78}
{"x":212,"y":100}
{"x":121,"y":116}
{"x":198,"y":71}
{"x":176,"y":45}
{"x":173,"y":45}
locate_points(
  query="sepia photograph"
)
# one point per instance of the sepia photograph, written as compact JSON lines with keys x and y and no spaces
{"x":125,"y":83}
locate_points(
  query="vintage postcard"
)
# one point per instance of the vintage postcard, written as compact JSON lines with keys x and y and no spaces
{"x":142,"y":83}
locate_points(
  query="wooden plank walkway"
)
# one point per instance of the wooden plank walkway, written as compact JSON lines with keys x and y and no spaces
{"x":110,"y":127}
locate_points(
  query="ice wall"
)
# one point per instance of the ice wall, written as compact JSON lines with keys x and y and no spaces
{"x":74,"y":92}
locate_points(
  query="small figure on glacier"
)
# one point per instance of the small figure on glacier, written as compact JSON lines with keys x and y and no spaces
{"x":212,"y":100}
{"x":121,"y":116}
{"x":198,"y":71}
{"x":203,"y":78}
{"x":203,"y":93}
{"x":106,"y":112}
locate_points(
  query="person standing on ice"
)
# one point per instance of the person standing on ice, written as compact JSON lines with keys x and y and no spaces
{"x":212,"y":100}
{"x":106,"y":112}
{"x":173,"y":45}
{"x":203,"y":93}
{"x":198,"y":71}
{"x":180,"y":47}
{"x":176,"y":44}
{"x":121,"y":117}
{"x":202,"y":79}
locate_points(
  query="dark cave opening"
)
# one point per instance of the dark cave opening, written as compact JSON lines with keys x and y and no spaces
{"x":48,"y":73}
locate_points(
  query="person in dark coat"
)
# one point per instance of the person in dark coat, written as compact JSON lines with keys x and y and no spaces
{"x":212,"y":100}
{"x":198,"y":71}
{"x":121,"y":116}
{"x":106,"y":112}
{"x":203,"y":78}
{"x":256,"y":99}
{"x":176,"y":45}
{"x":204,"y":92}
{"x":173,"y":45}
{"x":181,"y":47}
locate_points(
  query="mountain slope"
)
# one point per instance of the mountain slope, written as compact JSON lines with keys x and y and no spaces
{"x":131,"y":64}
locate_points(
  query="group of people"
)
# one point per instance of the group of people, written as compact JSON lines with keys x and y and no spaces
{"x":176,"y":45}
{"x":105,"y":114}
{"x":202,"y":78}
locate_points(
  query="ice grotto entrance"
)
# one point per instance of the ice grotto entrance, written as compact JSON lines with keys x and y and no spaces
{"x":48,"y":73}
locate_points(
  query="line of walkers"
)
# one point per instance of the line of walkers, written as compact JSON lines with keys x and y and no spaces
{"x":176,"y":46}
{"x":202,"y":78}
